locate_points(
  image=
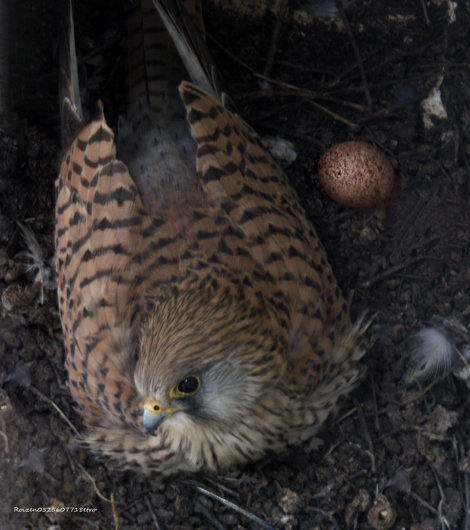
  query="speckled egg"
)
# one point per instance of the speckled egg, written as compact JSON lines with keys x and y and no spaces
{"x":356,"y":174}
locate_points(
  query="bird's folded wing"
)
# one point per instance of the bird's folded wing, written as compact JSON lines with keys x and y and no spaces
{"x":100,"y":222}
{"x":243,"y":183}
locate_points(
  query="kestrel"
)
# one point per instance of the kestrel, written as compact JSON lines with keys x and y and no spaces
{"x":203,"y":325}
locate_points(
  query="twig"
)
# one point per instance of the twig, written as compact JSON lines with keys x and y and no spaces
{"x":302,"y":92}
{"x":387,"y":111}
{"x":402,"y":403}
{"x":297,"y":91}
{"x":325,"y":514}
{"x":262,"y":76}
{"x":426,"y":16}
{"x":462,"y":358}
{"x":222,"y":487}
{"x":391,"y":271}
{"x":443,"y":520}
{"x":86,"y":521}
{"x":115,"y":514}
{"x":152,"y":512}
{"x":345,"y":415}
{"x":374,"y":401}
{"x":417,"y":396}
{"x":366,"y":434}
{"x":93,"y":483}
{"x":331,"y":449}
{"x":389,"y":434}
{"x":425,"y":504}
{"x":333,"y":115}
{"x":279,"y":8}
{"x":460,"y":476}
{"x":208,"y":515}
{"x":3,"y":434}
{"x":56,"y":407}
{"x":467,"y":501}
{"x":229,"y":504}
{"x":357,"y":53}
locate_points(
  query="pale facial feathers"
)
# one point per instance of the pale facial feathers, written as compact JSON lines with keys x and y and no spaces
{"x":220,"y":340}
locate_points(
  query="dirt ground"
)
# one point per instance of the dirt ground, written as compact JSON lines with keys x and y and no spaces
{"x":398,"y":453}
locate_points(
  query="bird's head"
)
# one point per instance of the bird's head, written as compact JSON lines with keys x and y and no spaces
{"x":206,"y":359}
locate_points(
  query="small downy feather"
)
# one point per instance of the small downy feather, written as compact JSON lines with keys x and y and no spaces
{"x":432,"y":355}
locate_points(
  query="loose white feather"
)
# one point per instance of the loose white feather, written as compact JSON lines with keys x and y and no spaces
{"x":432,"y":355}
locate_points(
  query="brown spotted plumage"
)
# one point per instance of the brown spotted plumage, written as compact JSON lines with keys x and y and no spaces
{"x":202,"y":322}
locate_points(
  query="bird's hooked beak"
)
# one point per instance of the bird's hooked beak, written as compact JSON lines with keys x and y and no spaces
{"x":154,"y":414}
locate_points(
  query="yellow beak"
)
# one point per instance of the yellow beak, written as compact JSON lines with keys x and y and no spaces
{"x":154,"y":414}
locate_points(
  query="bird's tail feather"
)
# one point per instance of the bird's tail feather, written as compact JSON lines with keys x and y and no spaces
{"x":154,"y":65}
{"x":69,"y":92}
{"x":187,"y":35}
{"x":166,"y":46}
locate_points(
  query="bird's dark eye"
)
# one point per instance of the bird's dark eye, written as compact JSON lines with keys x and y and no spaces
{"x":186,"y":387}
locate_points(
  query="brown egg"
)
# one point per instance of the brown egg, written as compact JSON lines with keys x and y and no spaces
{"x":356,"y":174}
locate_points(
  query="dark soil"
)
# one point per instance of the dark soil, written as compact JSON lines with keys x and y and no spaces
{"x":397,"y":455}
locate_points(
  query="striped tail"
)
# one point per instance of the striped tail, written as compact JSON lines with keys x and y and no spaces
{"x":69,"y":94}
